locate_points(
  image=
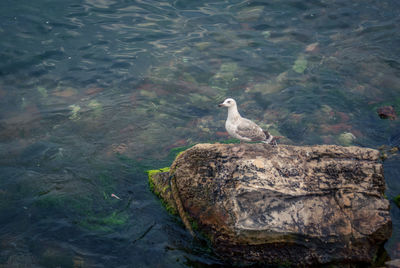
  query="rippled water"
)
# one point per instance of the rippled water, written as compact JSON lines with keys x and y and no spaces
{"x":95,"y":92}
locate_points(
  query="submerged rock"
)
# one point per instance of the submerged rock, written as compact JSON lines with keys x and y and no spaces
{"x":74,"y":112}
{"x":281,"y":205}
{"x":226,"y":75}
{"x":65,"y":93}
{"x":393,"y":263}
{"x":42,"y":91}
{"x":300,"y":64}
{"x":386,"y":112}
{"x":346,"y":138}
{"x":312,"y":47}
{"x":96,"y":107}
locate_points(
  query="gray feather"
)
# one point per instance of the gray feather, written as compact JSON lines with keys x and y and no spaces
{"x":250,"y":130}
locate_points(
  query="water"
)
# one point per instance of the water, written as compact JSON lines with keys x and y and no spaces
{"x":93,"y":93}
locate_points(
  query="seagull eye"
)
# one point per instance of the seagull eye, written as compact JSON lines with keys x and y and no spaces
{"x":229,"y":101}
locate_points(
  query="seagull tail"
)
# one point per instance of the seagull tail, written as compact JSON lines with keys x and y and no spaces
{"x":269,"y":139}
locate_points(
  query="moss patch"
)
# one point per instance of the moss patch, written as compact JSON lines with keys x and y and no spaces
{"x":300,"y":64}
{"x":160,"y":186}
{"x":396,"y":199}
{"x":229,"y":141}
{"x":175,"y":152}
{"x":154,"y":171}
{"x":104,"y":223}
{"x":151,"y":173}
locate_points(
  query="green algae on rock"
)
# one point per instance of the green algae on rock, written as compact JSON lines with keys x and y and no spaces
{"x":166,"y":189}
{"x":159,"y":184}
{"x":300,"y":64}
{"x":42,"y":91}
{"x":346,"y":138}
{"x":74,"y":112}
{"x":396,"y":200}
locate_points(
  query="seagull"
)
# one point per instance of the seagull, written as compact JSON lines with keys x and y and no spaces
{"x":242,"y":128}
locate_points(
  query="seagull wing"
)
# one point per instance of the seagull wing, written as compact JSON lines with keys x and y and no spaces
{"x":250,"y":130}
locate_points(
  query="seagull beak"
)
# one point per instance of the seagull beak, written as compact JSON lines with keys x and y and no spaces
{"x":221,"y":105}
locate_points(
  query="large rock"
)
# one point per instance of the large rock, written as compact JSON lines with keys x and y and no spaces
{"x":282,"y":205}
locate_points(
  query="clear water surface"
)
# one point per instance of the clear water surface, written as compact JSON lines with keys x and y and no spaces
{"x":95,"y":92}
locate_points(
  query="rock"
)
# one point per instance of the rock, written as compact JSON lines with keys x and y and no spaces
{"x":266,"y":34}
{"x":312,"y":47}
{"x":93,"y":90}
{"x":65,"y":93}
{"x":282,"y":205}
{"x":386,"y":112}
{"x":250,"y":13}
{"x":96,"y":107}
{"x":346,"y":138}
{"x":202,"y":45}
{"x":300,"y":64}
{"x":74,"y":112}
{"x":159,"y":181}
{"x":393,"y":263}
{"x":42,"y":91}
{"x":226,"y":75}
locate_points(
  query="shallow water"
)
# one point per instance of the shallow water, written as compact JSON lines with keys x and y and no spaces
{"x":95,"y":92}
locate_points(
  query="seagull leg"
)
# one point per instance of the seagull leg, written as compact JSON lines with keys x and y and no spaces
{"x":274,"y":143}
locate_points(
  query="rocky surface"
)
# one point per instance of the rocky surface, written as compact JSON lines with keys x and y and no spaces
{"x":282,"y":205}
{"x":393,"y":263}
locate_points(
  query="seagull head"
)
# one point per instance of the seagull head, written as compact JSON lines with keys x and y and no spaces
{"x":228,"y":103}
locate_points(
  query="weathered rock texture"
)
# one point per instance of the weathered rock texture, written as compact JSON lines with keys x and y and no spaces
{"x":284,"y":205}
